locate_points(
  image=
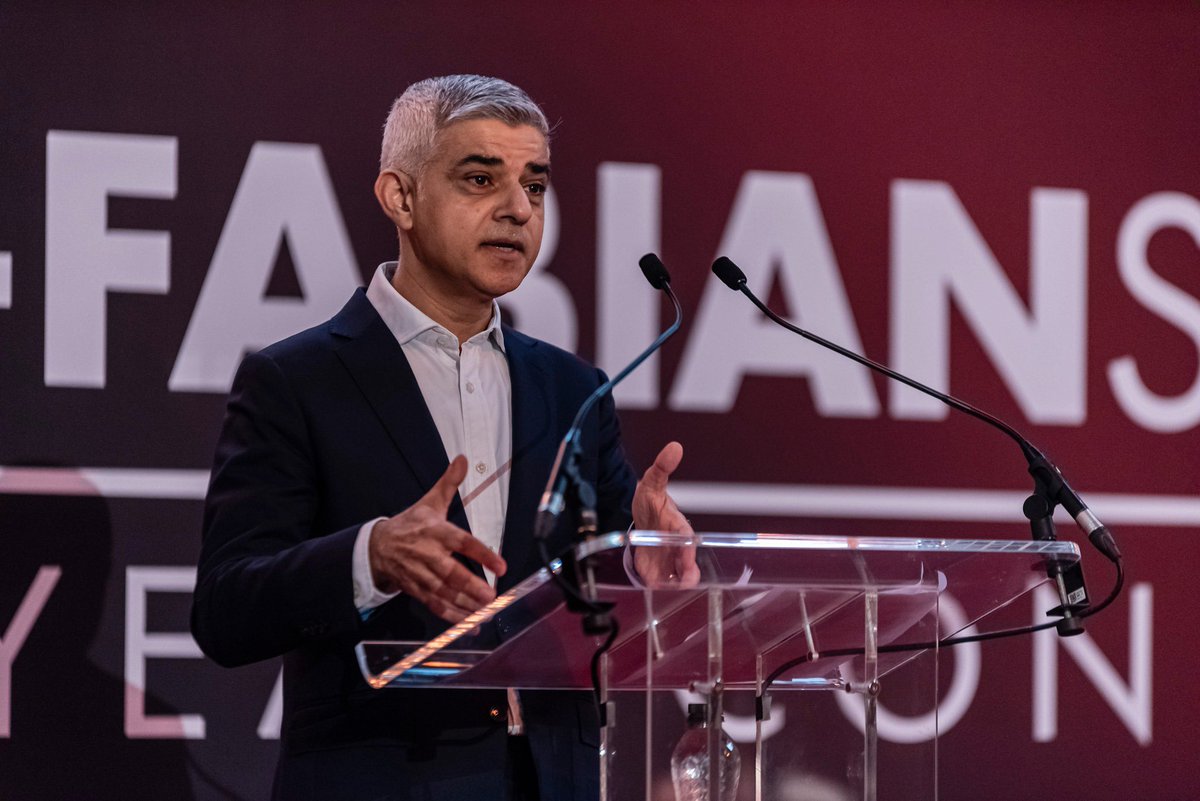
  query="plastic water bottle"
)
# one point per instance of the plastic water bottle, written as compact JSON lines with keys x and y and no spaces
{"x":689,"y":761}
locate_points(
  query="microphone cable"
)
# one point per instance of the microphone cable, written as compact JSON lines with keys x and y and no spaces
{"x":1050,"y":488}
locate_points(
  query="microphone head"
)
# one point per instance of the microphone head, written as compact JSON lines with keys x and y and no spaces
{"x":729,"y":273}
{"x":654,"y":270}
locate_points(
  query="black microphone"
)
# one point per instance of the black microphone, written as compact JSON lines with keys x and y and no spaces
{"x":655,"y":272}
{"x":565,"y":473}
{"x":1050,"y":488}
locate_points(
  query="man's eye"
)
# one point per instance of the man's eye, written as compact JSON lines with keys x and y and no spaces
{"x":478,"y":180}
{"x":536,"y":189}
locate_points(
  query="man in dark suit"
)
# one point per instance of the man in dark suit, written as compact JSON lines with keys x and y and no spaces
{"x":335,"y":513}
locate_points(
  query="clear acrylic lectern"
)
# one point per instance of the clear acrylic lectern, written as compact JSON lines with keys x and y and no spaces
{"x":836,"y":607}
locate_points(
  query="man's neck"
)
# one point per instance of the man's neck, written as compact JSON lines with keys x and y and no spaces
{"x":459,"y":316}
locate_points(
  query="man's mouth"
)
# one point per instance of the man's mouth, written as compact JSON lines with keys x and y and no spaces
{"x":505,"y":246}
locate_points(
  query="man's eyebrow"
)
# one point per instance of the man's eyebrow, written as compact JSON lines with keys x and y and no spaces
{"x":476,"y":158}
{"x":535,"y":167}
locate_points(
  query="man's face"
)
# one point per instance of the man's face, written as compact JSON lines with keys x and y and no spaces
{"x":477,"y":209}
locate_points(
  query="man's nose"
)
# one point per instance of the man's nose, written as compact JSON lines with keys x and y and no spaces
{"x":514,"y":204}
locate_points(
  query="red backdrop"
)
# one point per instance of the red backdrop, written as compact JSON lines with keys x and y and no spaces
{"x":1007,"y":193}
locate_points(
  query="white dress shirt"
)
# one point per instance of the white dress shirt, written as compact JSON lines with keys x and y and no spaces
{"x":469,"y":394}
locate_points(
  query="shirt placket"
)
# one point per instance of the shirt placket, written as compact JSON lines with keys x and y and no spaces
{"x":480,"y":442}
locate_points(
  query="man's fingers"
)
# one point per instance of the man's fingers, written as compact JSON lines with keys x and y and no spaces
{"x":679,"y":522}
{"x":475,"y":550}
{"x":454,"y":577}
{"x":442,"y":493}
{"x":446,"y":611}
{"x":452,"y":538}
{"x":465,"y":588}
{"x":449,"y":590}
{"x":686,"y":567}
{"x":464,"y":601}
{"x":454,"y":603}
{"x":668,"y":459}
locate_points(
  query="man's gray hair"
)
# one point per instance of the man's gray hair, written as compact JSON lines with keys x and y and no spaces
{"x":430,"y":105}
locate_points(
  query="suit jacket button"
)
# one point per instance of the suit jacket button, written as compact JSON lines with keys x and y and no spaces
{"x":495,"y":714}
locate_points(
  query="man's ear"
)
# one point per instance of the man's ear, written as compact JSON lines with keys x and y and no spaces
{"x":394,"y":191}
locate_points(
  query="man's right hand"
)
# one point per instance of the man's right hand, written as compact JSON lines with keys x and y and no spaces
{"x":413,"y":552}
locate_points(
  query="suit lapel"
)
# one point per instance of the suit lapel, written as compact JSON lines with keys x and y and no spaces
{"x":378,"y":366}
{"x":534,"y":443}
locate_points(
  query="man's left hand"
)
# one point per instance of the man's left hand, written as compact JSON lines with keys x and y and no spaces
{"x":655,"y":510}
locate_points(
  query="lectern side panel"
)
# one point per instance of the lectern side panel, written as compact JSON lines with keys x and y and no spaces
{"x":991,"y":602}
{"x":764,"y":620}
{"x":812,"y":748}
{"x":755,"y":621}
{"x":815,"y":747}
{"x":906,"y":615}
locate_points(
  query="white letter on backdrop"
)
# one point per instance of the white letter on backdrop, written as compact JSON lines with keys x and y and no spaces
{"x":938,"y":255}
{"x":84,"y":259}
{"x":284,"y":191}
{"x":1131,"y":702}
{"x":141,"y":645}
{"x":627,"y":308}
{"x":775,"y":234}
{"x":14,"y":636}
{"x":1148,"y":216}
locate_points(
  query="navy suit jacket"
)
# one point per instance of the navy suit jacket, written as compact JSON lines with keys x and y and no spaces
{"x":324,"y":431}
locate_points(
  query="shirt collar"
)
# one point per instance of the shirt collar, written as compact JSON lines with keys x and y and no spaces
{"x":406,"y":321}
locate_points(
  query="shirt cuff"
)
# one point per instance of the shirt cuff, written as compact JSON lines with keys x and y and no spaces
{"x":366,"y":595}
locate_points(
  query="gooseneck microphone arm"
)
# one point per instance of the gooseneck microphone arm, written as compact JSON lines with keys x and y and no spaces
{"x":564,"y":474}
{"x":1050,"y":488}
{"x":566,"y":480}
{"x":733,"y":277}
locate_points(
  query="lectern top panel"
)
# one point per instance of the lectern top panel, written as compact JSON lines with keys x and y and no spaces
{"x":1059,"y":550}
{"x":779,"y":592}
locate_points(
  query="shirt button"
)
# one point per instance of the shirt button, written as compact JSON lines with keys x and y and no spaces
{"x":481,"y":468}
{"x":470,"y":387}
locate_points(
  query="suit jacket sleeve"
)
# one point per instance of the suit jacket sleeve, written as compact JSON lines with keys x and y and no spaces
{"x":267,"y":582}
